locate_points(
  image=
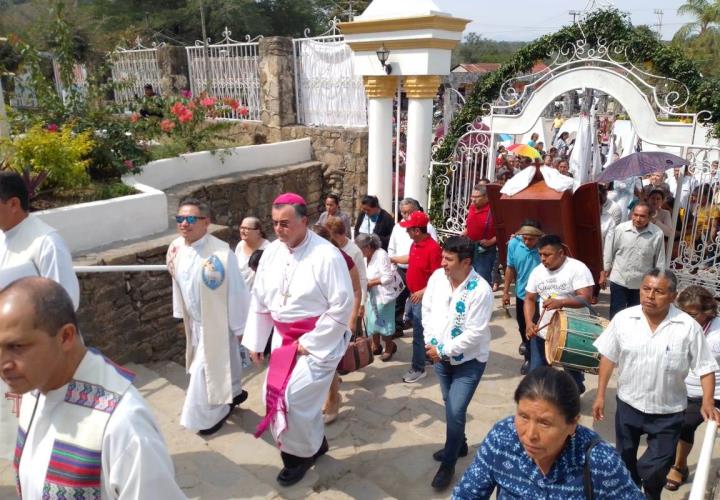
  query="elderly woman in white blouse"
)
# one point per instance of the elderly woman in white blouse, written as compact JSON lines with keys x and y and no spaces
{"x":252,"y":238}
{"x":383,"y":286}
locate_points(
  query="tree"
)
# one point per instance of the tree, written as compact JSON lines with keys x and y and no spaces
{"x":706,"y":14}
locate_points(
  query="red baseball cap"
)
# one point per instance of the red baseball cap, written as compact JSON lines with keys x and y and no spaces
{"x":415,"y":219}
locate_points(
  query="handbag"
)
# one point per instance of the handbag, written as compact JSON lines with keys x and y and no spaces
{"x":359,"y":351}
{"x":587,"y":473}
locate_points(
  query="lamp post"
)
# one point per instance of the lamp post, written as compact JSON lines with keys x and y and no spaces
{"x":382,"y":55}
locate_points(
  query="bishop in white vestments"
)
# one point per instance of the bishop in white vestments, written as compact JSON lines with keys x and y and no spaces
{"x":302,"y":289}
{"x":85,"y":431}
{"x":210,"y":295}
{"x":28,"y":247}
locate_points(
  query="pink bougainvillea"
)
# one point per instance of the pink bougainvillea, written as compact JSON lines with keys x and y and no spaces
{"x":167,"y":125}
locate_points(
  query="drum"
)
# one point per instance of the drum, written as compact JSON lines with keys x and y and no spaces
{"x":569,"y":340}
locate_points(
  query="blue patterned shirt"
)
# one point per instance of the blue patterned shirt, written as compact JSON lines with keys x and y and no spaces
{"x":501,"y":462}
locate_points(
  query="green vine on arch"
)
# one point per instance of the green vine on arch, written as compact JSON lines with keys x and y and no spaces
{"x":608,"y":24}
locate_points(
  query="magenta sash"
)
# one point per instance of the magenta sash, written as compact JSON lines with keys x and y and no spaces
{"x":280,"y":367}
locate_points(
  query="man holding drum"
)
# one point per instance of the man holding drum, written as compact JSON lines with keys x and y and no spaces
{"x":560,"y":282}
{"x":654,"y":345}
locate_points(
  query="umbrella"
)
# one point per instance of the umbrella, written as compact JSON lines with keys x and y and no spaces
{"x":639,"y":164}
{"x":524,"y":150}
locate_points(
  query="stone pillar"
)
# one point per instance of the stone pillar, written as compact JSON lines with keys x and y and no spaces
{"x":380,"y":91}
{"x":420,"y":91}
{"x":173,"y":64}
{"x":277,"y":81}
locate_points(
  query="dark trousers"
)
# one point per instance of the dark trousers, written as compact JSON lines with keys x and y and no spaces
{"x":663,"y":432}
{"x":537,"y":358}
{"x":522,"y":326}
{"x":400,"y":302}
{"x":483,"y":263}
{"x":458,"y":384}
{"x":622,"y":298}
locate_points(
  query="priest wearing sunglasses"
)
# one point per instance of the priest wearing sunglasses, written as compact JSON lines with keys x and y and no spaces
{"x":210,"y":295}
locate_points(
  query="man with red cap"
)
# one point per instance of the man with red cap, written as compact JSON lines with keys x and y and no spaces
{"x":302,"y":288}
{"x":424,"y":258}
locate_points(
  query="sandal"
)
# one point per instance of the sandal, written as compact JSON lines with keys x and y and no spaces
{"x":387,"y":356}
{"x":671,"y":484}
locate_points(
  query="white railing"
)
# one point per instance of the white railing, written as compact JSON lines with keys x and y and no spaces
{"x":699,"y":486}
{"x":139,"y":268}
{"x":327,"y":92}
{"x":233,"y":71}
{"x":132,"y":69}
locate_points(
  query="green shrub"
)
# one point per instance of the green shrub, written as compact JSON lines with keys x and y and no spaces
{"x":59,"y":152}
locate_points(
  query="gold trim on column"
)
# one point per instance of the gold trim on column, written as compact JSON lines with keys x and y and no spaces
{"x":380,"y":86}
{"x":422,"y":87}
{"x":434,"y":22}
{"x":415,"y":43}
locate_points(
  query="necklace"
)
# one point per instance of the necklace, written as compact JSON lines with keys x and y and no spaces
{"x":285,"y":289}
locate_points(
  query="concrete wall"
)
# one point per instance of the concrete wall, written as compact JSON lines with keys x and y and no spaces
{"x":162,"y":174}
{"x":89,"y":225}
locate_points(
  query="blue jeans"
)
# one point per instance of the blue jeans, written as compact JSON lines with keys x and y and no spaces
{"x":621,"y":298}
{"x":483,"y":263}
{"x":537,"y":359}
{"x":458,"y":384}
{"x":418,"y":343}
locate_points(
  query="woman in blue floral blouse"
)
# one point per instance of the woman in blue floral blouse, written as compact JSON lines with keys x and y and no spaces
{"x":540,"y":453}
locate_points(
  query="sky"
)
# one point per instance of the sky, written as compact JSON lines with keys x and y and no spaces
{"x":528,"y":19}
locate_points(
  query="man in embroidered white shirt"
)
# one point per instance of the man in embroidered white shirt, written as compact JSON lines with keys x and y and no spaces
{"x":654,"y":345}
{"x":456,"y":309}
{"x":85,"y":431}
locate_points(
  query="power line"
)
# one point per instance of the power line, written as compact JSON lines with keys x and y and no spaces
{"x":574,"y":14}
{"x":659,"y":14}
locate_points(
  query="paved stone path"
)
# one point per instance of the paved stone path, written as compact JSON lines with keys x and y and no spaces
{"x":380,"y":446}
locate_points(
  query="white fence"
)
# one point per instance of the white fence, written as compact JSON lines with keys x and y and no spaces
{"x":327,"y":92}
{"x":233,"y":72}
{"x":132,"y":69}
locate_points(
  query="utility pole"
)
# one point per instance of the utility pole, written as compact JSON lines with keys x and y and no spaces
{"x":574,"y":14}
{"x":659,"y":15}
{"x":206,"y":50}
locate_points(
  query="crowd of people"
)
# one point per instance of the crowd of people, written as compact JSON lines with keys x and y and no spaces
{"x":292,"y":305}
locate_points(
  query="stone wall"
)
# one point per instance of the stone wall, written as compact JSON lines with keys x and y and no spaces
{"x":128,"y":316}
{"x":342,"y":151}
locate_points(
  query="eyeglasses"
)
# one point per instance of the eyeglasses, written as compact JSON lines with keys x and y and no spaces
{"x":243,"y":228}
{"x":191,"y":219}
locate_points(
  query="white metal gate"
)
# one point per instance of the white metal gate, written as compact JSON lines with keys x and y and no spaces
{"x":233,"y":72}
{"x":696,"y":254}
{"x":327,"y":92}
{"x":454,"y":180}
{"x":132,"y":69}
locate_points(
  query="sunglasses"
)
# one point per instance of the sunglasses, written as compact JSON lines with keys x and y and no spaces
{"x":191,"y":219}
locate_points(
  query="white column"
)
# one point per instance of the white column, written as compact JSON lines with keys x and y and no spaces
{"x":420,"y":91}
{"x":380,"y":91}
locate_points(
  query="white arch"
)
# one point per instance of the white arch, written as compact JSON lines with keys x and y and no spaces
{"x":611,"y":82}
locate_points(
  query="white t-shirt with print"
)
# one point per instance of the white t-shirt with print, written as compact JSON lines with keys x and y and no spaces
{"x":561,"y":283}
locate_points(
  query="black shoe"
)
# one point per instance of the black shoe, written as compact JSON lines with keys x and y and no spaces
{"x":523,"y":349}
{"x":216,"y":427}
{"x":443,"y":478}
{"x":525,"y":368}
{"x":440,"y":454}
{"x":323,"y":449}
{"x":239,"y":399}
{"x":294,"y":469}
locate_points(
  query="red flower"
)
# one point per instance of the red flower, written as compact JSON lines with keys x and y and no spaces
{"x":244,"y":111}
{"x":129,"y":164}
{"x":234,"y":105}
{"x":177,"y":108}
{"x":135,"y":117}
{"x":186,"y":94}
{"x":52,"y":127}
{"x":167,"y":125}
{"x":207,"y":101}
{"x":185,"y":116}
